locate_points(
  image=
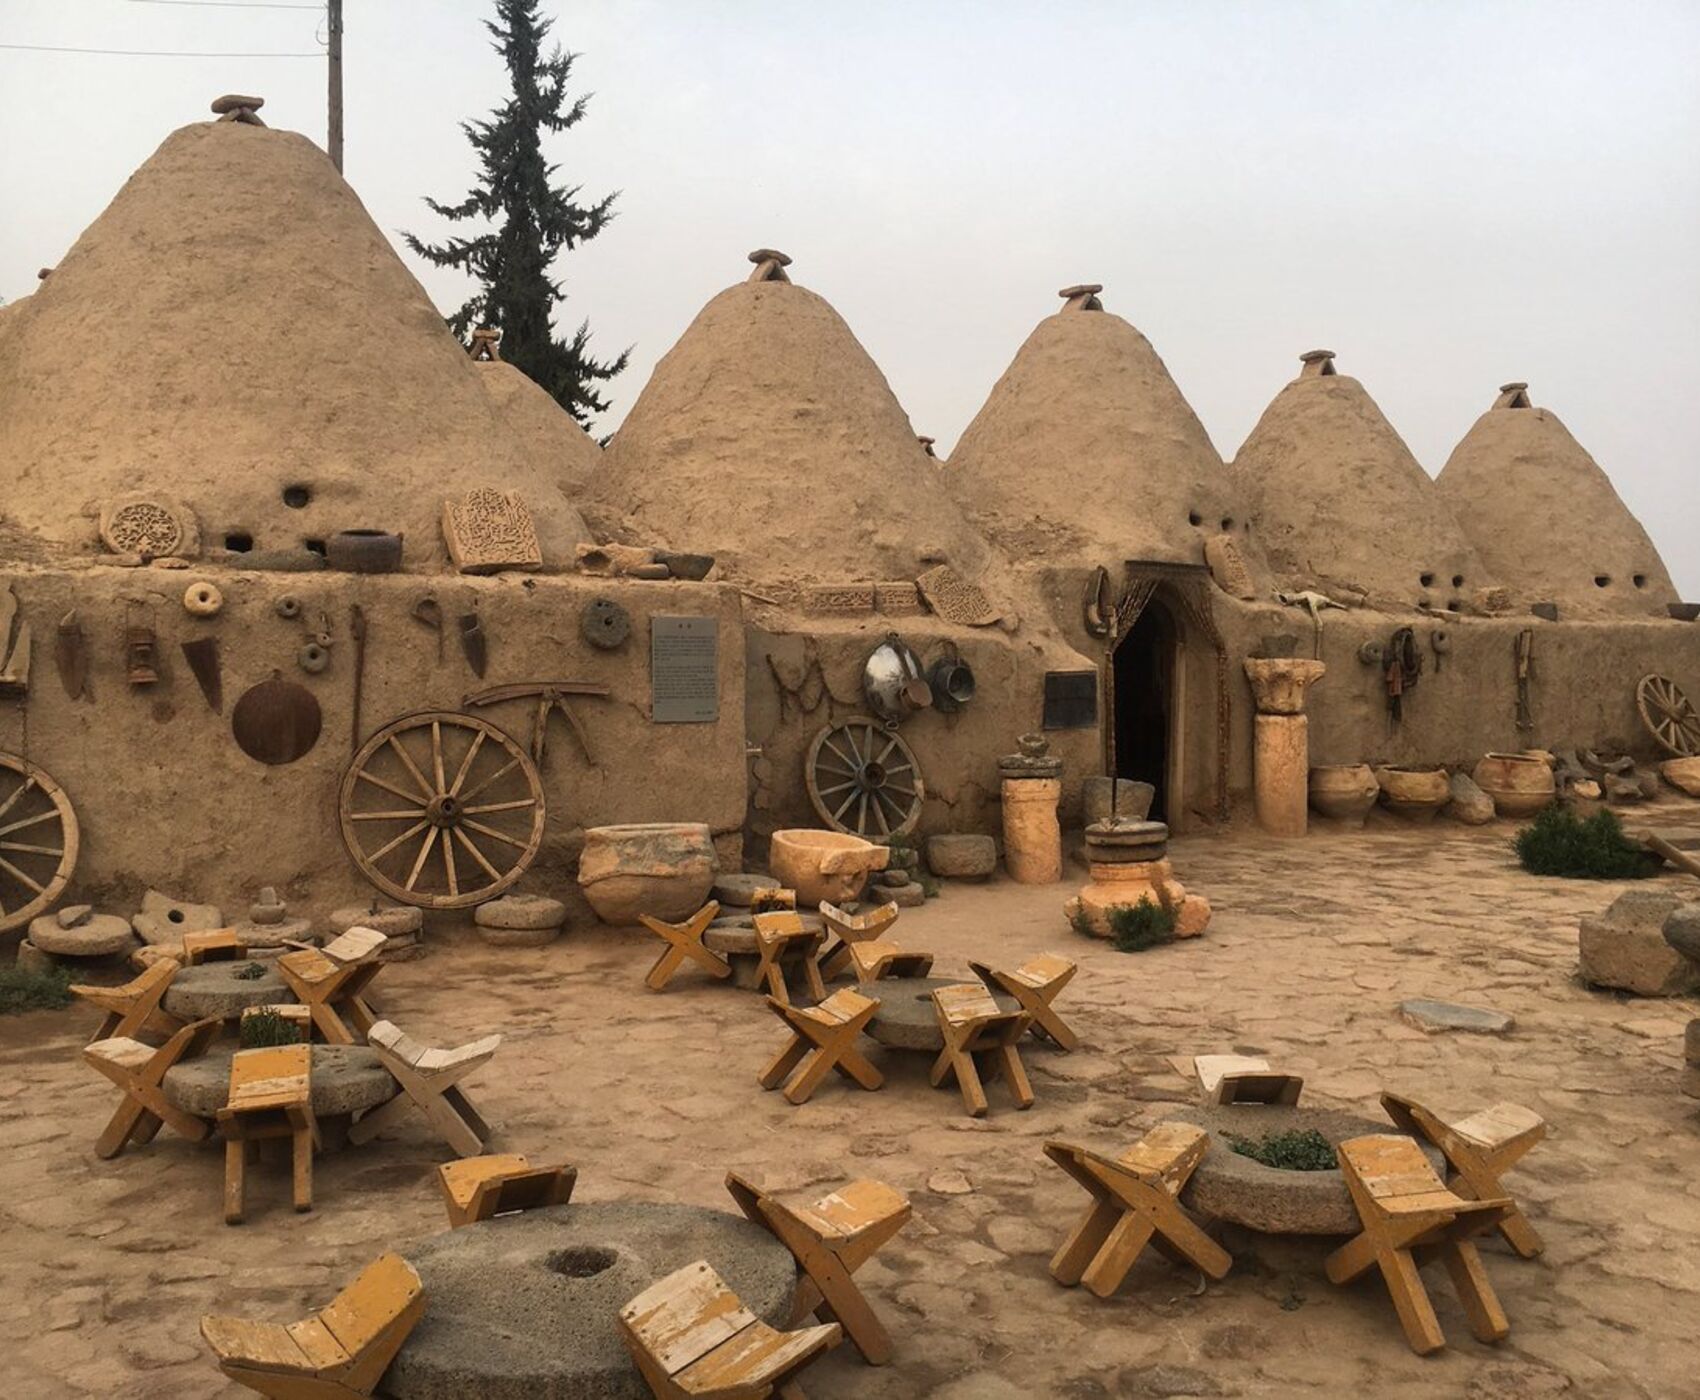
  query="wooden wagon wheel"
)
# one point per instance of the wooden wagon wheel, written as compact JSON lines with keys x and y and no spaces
{"x":863,"y":779}
{"x":441,"y":810}
{"x":1669,"y":717}
{"x":39,"y":841}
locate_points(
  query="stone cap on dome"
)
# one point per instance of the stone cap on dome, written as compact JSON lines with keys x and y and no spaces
{"x":1316,"y":363}
{"x":1082,"y":296}
{"x":1513,"y":395}
{"x":770,"y":265}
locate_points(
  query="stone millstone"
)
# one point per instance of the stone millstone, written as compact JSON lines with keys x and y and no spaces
{"x":739,"y":891}
{"x":73,"y":914}
{"x":165,"y":920}
{"x":214,"y":989}
{"x":524,"y":1306}
{"x":519,"y":937}
{"x":392,"y":922}
{"x":272,"y":938}
{"x":962,"y":857}
{"x":1433,"y":1016}
{"x":527,"y":913}
{"x":907,"y":1019}
{"x":346,"y":1079}
{"x":905,"y":896}
{"x":98,"y":936}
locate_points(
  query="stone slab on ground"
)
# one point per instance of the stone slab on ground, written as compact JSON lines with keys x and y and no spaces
{"x":98,"y":936}
{"x":519,"y":937}
{"x":908,"y":895}
{"x":163,"y":919}
{"x":524,"y":913}
{"x":962,"y":856}
{"x":1469,"y":803}
{"x":1435,"y":1016}
{"x":1681,"y":930}
{"x":389,"y":920}
{"x":1625,"y":947}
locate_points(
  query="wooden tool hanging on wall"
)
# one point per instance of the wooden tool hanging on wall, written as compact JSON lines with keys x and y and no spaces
{"x":357,"y":630}
{"x":201,"y":654}
{"x":71,"y":657}
{"x":474,"y":643}
{"x":14,"y":646}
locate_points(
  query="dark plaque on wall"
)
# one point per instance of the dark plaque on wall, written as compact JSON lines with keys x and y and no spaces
{"x":684,"y":670}
{"x":1071,"y":700}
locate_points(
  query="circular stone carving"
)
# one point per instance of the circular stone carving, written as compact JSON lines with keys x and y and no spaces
{"x":525,"y":1306}
{"x":214,"y":989}
{"x":276,"y":721}
{"x":142,"y":527}
{"x":288,"y":607}
{"x":346,"y":1079}
{"x":1236,"y":1188}
{"x":605,"y":623}
{"x":906,"y":1019}
{"x":203,"y":599}
{"x":312,"y":658}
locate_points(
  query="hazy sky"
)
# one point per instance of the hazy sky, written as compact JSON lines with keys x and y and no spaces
{"x":1447,"y":194}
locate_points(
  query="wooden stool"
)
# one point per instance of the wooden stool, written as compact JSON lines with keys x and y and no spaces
{"x":690,"y":1335}
{"x":823,"y":1038}
{"x":684,"y":941}
{"x":477,"y":1188}
{"x":781,"y":935}
{"x":877,"y":959}
{"x":772,"y":898}
{"x":212,"y":945}
{"x":1035,"y":985}
{"x":139,"y":1070}
{"x":342,"y":1351}
{"x":430,"y":1081}
{"x":1406,"y":1210}
{"x":335,"y":978}
{"x":135,"y":1006}
{"x":845,"y":929}
{"x":1135,"y":1202}
{"x":1230,"y":1079}
{"x":972,"y":1023}
{"x":1479,"y":1149}
{"x":271,"y":1096}
{"x":830,"y":1240}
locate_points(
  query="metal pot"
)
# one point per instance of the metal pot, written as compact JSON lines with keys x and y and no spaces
{"x":364,"y":551}
{"x":893,"y":683}
{"x":952,"y":684}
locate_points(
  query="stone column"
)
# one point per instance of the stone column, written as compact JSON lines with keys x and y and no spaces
{"x":1281,"y":744}
{"x":1032,"y":835}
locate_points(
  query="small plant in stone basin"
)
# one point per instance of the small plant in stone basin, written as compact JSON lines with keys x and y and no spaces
{"x":1558,"y":842}
{"x":1136,"y":927}
{"x":251,"y":973}
{"x":262,"y":1028}
{"x":1297,"y":1150}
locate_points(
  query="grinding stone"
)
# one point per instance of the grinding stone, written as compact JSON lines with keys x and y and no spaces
{"x":521,"y":912}
{"x":346,"y":1079}
{"x":906,"y":1019}
{"x":389,"y":922}
{"x":273,"y":936}
{"x":214,"y":989}
{"x":98,"y":936}
{"x":503,"y":1324}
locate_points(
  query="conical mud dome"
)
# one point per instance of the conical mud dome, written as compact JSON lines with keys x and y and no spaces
{"x":1338,"y":501}
{"x":546,"y":433}
{"x":768,"y":438}
{"x":1546,"y":519}
{"x":234,"y":333}
{"x":1086,"y":452}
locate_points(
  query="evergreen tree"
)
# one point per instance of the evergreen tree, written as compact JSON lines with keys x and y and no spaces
{"x":532,"y":219}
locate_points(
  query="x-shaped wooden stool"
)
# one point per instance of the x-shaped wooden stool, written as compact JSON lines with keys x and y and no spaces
{"x":430,"y":1081}
{"x":130,"y":1008}
{"x":973,"y":1024}
{"x":830,"y":1240}
{"x":781,"y":935}
{"x":334,"y":977}
{"x":139,"y":1070}
{"x":877,"y":959}
{"x":1135,"y":1202}
{"x":684,"y":941}
{"x":271,"y":1096}
{"x":1230,"y":1079}
{"x":477,"y":1188}
{"x":823,"y":1038}
{"x":212,"y":945}
{"x":1406,"y":1210}
{"x":1035,"y":985}
{"x":1479,"y":1149}
{"x":845,"y":929}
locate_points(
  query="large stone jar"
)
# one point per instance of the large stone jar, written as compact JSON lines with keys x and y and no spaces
{"x":1413,"y":793}
{"x":663,"y":869}
{"x":829,"y":865}
{"x":1518,"y":784}
{"x":1032,"y":835}
{"x":1344,"y":791}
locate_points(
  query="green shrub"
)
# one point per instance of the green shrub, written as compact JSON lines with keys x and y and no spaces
{"x":1136,"y":927}
{"x":266,"y":1027}
{"x":1297,"y":1150}
{"x":1559,"y":842}
{"x":251,"y":973}
{"x":22,"y":990}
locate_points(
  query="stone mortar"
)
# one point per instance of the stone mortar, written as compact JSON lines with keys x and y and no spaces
{"x":214,"y":989}
{"x":906,"y":1019}
{"x":346,"y":1079}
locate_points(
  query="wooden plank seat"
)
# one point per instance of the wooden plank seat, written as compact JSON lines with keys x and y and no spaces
{"x":333,"y":979}
{"x":972,"y":1023}
{"x":823,"y":1038}
{"x":1135,"y":1202}
{"x":1479,"y":1150}
{"x":138,"y":1069}
{"x":134,"y":1008}
{"x":1231,"y":1079}
{"x":212,"y":945}
{"x":684,"y":942}
{"x":830,"y":1239}
{"x":339,"y":1353}
{"x":878,"y":959}
{"x":843,"y":930}
{"x":502,"y":1183}
{"x":1035,"y":985}
{"x":1409,"y":1217}
{"x":430,"y":1081}
{"x":271,"y":1096}
{"x":691,"y":1336}
{"x":782,"y":937}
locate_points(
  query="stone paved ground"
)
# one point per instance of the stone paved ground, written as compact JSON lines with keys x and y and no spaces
{"x":108,"y":1265}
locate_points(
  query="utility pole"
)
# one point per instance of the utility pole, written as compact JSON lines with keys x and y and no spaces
{"x":333,"y":44}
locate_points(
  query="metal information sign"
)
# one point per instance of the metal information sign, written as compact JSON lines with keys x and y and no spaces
{"x":684,"y":670}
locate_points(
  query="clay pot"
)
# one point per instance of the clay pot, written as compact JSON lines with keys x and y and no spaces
{"x":1518,"y":784}
{"x":364,"y":551}
{"x":663,"y":869}
{"x":1413,"y":793}
{"x":1344,"y":791}
{"x":1278,"y":684}
{"x":829,"y":865}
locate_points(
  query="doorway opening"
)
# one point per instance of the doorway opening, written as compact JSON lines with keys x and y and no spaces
{"x":1145,"y":662}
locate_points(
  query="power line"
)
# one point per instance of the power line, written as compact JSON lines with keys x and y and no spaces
{"x":154,"y":53}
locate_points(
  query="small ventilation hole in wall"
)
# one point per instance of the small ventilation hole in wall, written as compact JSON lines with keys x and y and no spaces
{"x":1227,"y":522}
{"x":314,"y":546}
{"x":1426,"y":580}
{"x":1457,"y":580}
{"x":1601,"y":580}
{"x":239,"y":542}
{"x":1454,"y":605}
{"x":1194,"y":518}
{"x":296,"y":497}
{"x":1640,"y":580}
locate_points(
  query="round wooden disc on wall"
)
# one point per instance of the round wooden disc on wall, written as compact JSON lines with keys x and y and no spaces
{"x":276,"y":721}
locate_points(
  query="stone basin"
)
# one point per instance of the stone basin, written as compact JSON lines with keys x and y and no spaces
{"x":346,"y":1079}
{"x":906,"y":1019}
{"x":523,"y":1307}
{"x":1235,"y":1188}
{"x":214,"y":989}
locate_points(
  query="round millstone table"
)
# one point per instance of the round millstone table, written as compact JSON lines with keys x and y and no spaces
{"x":733,"y":936}
{"x":1238,"y":1189}
{"x":214,"y":989}
{"x":347,"y":1079}
{"x":524,"y":1307}
{"x":907,"y":1019}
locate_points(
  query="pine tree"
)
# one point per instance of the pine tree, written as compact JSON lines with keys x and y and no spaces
{"x":533,"y":220}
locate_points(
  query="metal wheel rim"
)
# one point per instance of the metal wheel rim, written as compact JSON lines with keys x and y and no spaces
{"x":436,"y":814}
{"x":37,"y":825}
{"x":864,"y":779}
